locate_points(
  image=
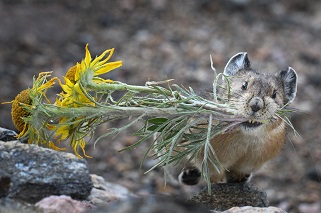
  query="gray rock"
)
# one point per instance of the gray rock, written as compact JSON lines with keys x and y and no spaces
{"x":227,"y":195}
{"x":5,"y":181}
{"x":37,"y":172}
{"x":150,"y":204}
{"x":7,"y":134}
{"x":250,"y":209}
{"x":8,"y":205}
{"x":110,"y":197}
{"x":105,"y":193}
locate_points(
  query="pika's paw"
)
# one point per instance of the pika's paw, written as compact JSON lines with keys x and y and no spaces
{"x":235,"y":177}
{"x":190,"y":176}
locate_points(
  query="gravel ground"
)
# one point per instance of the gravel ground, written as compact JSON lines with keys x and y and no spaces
{"x":162,"y":39}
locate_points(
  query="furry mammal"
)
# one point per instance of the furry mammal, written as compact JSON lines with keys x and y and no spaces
{"x":242,"y":151}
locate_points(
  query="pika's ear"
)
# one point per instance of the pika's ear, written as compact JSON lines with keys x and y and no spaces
{"x":289,"y":78}
{"x":237,"y":62}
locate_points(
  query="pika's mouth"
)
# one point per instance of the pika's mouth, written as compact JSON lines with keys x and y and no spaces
{"x":251,"y":124}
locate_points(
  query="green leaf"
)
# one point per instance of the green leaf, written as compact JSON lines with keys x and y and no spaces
{"x":157,"y":121}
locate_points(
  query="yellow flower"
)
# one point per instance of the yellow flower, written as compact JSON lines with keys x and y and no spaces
{"x":72,"y":130}
{"x":18,"y":111}
{"x":63,"y":130}
{"x":25,"y":110}
{"x":98,"y":66}
{"x":77,"y":93}
{"x":73,"y":95}
{"x":81,"y":75}
{"x":31,"y":116}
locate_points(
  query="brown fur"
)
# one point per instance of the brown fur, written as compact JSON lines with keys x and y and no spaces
{"x":257,"y":97}
{"x":240,"y":156}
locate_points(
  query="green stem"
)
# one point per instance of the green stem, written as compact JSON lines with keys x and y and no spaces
{"x":157,"y":89}
{"x":118,"y":86}
{"x":118,"y":112}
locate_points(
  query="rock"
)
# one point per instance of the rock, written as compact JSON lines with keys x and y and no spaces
{"x":150,"y":204}
{"x":113,"y":198}
{"x":5,"y":181}
{"x":250,"y":209}
{"x":105,"y":192}
{"x":7,"y":135}
{"x":109,"y":197}
{"x":8,"y":205}
{"x":310,"y":207}
{"x":62,"y":203}
{"x":37,"y":172}
{"x":227,"y":195}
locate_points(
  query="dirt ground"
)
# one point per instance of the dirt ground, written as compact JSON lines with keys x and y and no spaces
{"x":163,"y":39}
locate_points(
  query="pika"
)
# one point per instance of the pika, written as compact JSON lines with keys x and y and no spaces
{"x":257,"y":97}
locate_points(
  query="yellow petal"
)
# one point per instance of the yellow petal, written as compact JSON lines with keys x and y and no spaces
{"x":47,"y":85}
{"x":87,"y":57}
{"x":62,"y":130}
{"x":68,"y":86}
{"x":79,"y":143}
{"x":77,"y":74}
{"x":75,"y":144}
{"x":97,"y":59}
{"x":54,"y":147}
{"x":50,"y":127}
{"x":98,"y":80}
{"x":108,"y":67}
{"x":58,"y":102}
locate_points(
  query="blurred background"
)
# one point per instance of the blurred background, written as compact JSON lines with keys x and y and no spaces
{"x":163,"y":39}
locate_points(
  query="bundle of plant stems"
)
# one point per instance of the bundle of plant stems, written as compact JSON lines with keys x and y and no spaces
{"x":170,"y":113}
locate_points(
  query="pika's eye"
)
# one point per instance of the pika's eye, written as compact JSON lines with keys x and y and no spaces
{"x":244,"y":85}
{"x":273,"y":94}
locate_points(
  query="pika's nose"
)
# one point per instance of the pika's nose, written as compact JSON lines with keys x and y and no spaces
{"x":256,"y":104}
